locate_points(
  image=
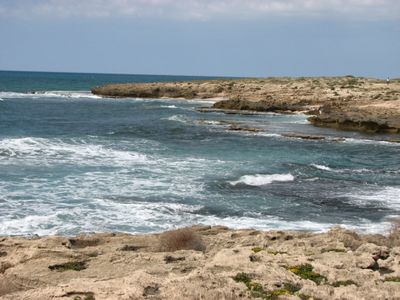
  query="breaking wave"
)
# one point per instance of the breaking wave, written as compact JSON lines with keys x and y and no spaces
{"x":40,"y":150}
{"x":321,"y":167}
{"x":260,"y":180}
{"x":388,"y":196}
{"x":50,"y":94}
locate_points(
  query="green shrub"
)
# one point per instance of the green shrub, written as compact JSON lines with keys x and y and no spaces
{"x":392,"y":279}
{"x":343,"y":283}
{"x":306,"y":272}
{"x":256,"y":249}
{"x":69,"y":266}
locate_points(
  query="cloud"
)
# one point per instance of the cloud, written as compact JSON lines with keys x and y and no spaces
{"x":202,"y":9}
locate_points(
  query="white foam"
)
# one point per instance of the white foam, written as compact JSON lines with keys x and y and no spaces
{"x":366,"y":141}
{"x":260,"y":179}
{"x":210,"y":122}
{"x":99,"y":215}
{"x":389,"y":196}
{"x":51,"y":94}
{"x":275,"y":223}
{"x":137,"y":217}
{"x":169,"y":106}
{"x":40,"y":150}
{"x":326,"y":168}
{"x":264,"y":223}
{"x":177,"y":118}
{"x":34,"y":224}
{"x":268,"y":134}
{"x":251,"y":133}
{"x":322,"y":167}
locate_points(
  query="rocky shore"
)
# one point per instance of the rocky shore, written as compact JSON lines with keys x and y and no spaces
{"x":202,"y":262}
{"x":347,"y":103}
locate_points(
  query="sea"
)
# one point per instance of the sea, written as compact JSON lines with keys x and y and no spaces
{"x":72,"y":162}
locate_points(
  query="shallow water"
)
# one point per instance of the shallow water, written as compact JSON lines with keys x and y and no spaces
{"x":73,"y":162}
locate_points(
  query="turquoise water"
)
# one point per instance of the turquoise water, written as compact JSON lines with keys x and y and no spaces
{"x":73,"y":162}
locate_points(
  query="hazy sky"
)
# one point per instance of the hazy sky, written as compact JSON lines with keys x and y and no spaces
{"x":202,"y":37}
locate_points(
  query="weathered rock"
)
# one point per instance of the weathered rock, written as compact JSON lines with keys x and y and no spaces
{"x":350,"y":266}
{"x":345,"y":103}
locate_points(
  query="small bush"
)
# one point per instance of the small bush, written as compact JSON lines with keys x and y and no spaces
{"x":343,"y":283}
{"x":257,"y":291}
{"x":274,"y":252}
{"x":242,"y":277}
{"x":80,"y":295}
{"x":306,"y":272}
{"x":256,"y":249}
{"x":393,"y":279}
{"x":291,"y":287}
{"x":181,"y":239}
{"x":332,"y":250}
{"x":306,"y":297}
{"x":69,"y":266}
{"x":352,"y":81}
{"x":394,"y":234}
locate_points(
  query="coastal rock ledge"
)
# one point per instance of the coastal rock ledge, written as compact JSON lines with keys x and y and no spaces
{"x":202,"y":262}
{"x":346,"y":103}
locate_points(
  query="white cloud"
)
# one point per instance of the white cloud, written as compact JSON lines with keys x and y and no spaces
{"x":203,"y":9}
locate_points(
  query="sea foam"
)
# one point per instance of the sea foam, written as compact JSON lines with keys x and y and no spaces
{"x":321,"y":167}
{"x":389,"y":196}
{"x":260,"y":179}
{"x":50,"y":94}
{"x":40,"y":150}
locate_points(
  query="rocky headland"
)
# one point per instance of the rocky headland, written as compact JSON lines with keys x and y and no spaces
{"x":347,"y":103}
{"x":202,"y":262}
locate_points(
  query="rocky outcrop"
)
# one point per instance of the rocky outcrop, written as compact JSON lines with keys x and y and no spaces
{"x":185,"y":90}
{"x":347,"y":103}
{"x":259,"y":106}
{"x":230,"y":264}
{"x":371,"y":118}
{"x":343,"y":123}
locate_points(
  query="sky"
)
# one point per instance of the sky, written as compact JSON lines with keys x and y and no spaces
{"x":203,"y":37}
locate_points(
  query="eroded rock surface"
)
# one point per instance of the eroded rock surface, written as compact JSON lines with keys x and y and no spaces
{"x":235,"y":264}
{"x":346,"y":103}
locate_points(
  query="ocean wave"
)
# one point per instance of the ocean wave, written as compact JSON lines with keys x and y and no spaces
{"x":388,"y":196}
{"x":366,"y":141}
{"x":260,"y":179}
{"x":169,"y":106}
{"x":177,"y":118}
{"x":153,"y":217}
{"x":275,"y":223}
{"x":41,"y":149}
{"x":210,"y":122}
{"x":358,"y":171}
{"x":101,"y":215}
{"x":267,"y":134}
{"x":254,"y":133}
{"x":321,"y":167}
{"x":50,"y":94}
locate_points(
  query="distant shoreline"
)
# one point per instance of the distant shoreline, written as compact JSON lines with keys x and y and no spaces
{"x":345,"y":103}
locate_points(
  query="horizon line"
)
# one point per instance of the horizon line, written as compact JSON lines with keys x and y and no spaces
{"x":205,"y":76}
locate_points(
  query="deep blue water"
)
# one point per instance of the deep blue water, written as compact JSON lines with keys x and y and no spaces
{"x":73,"y":162}
{"x":50,"y":81}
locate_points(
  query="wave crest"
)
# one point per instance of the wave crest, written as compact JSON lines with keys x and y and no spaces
{"x":260,"y":179}
{"x":41,"y":150}
{"x":50,"y":94}
{"x":321,"y":167}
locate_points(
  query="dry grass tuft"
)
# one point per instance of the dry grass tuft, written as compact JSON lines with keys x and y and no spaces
{"x":394,"y":234}
{"x":181,"y":239}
